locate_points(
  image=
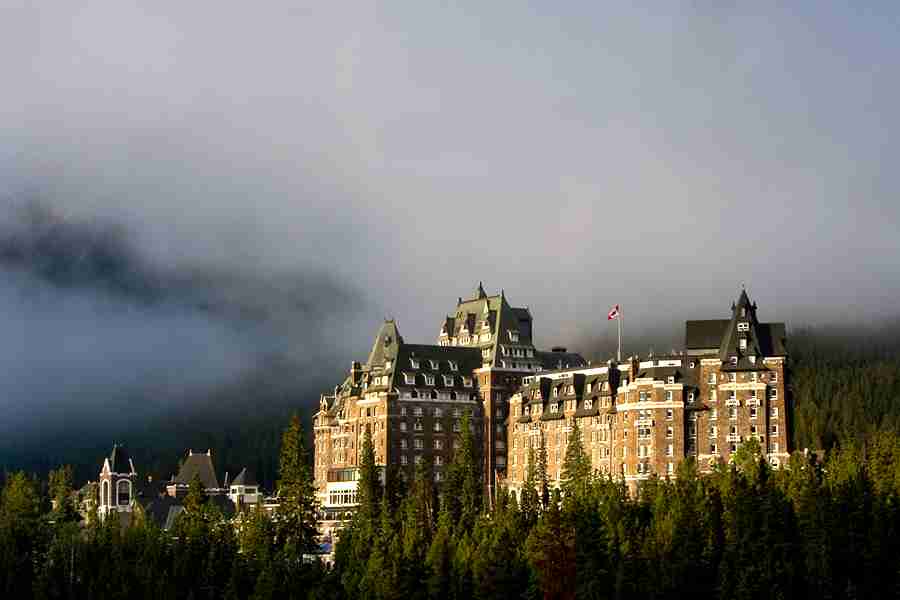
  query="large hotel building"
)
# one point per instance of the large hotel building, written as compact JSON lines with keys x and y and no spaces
{"x":637,"y":417}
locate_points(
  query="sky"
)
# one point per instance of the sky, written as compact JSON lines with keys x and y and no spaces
{"x":575,"y":155}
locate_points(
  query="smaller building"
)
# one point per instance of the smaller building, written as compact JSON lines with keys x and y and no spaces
{"x":200,"y":465}
{"x":244,"y":489}
{"x":116,"y":484}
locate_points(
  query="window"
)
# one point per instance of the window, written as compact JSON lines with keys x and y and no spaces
{"x":554,"y":407}
{"x":774,"y":429}
{"x":670,"y":450}
{"x":418,"y":459}
{"x":670,"y":432}
{"x":417,"y":411}
{"x":774,"y":446}
{"x":692,"y":364}
{"x":433,"y":364}
{"x":754,"y":376}
{"x":123,"y":492}
{"x":409,"y":378}
{"x":713,"y":414}
{"x":669,"y":395}
{"x":774,"y":412}
{"x":448,"y":380}
{"x":712,"y":377}
{"x":402,"y":411}
{"x":467,"y":381}
{"x":732,"y":377}
{"x":456,"y":426}
{"x":670,"y":414}
{"x":404,"y":460}
{"x":773,"y":377}
{"x":429,"y":379}
{"x":712,"y":395}
{"x":743,"y":326}
{"x":732,"y":413}
{"x":513,"y":335}
{"x":670,"y":468}
{"x":773,"y":393}
{"x":733,"y":360}
{"x":713,"y":448}
{"x":438,"y":426}
{"x":753,"y":430}
{"x":753,"y":412}
{"x":670,"y":379}
{"x":588,"y":404}
{"x":457,"y":413}
{"x":690,"y":397}
{"x":403,"y":444}
{"x":713,"y":431}
{"x":643,"y":396}
{"x":414,"y":363}
{"x":402,"y":425}
{"x":454,"y":366}
{"x":419,"y":444}
{"x":438,"y":460}
{"x":417,"y":426}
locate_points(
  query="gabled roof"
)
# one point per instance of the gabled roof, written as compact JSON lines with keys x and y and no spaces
{"x":385,"y":345}
{"x":245,"y":477}
{"x":200,"y":465}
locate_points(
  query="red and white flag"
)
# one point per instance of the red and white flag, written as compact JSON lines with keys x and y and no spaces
{"x":613,"y":313}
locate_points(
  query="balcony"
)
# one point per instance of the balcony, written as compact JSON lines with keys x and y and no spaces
{"x":753,"y":402}
{"x":732,"y":402}
{"x":733,"y":437}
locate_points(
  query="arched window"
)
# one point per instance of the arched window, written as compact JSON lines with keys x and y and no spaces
{"x":104,"y":493}
{"x":123,"y":492}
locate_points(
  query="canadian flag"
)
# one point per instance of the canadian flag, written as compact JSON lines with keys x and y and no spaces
{"x":613,"y":313}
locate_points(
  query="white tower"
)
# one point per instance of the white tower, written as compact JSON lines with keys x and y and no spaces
{"x":117,"y":479}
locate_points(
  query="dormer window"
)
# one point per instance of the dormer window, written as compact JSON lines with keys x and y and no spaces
{"x":467,"y":381}
{"x":454,"y":366}
{"x":588,"y":404}
{"x":388,"y":365}
{"x":670,"y":379}
{"x":743,"y":326}
{"x":743,"y":343}
{"x":734,"y":361}
{"x":513,"y":336}
{"x":555,"y":392}
{"x":554,"y":407}
{"x":448,"y":380}
{"x":434,"y":364}
{"x":429,"y":379}
{"x":414,"y":363}
{"x":409,"y":378}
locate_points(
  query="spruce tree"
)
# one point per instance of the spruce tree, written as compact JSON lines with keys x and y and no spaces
{"x":296,"y":494}
{"x":543,"y":478}
{"x":369,"y":488}
{"x":576,"y":471}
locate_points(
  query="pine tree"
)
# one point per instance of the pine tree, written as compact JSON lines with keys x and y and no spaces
{"x":20,"y":535}
{"x":369,"y":486}
{"x":297,"y":507}
{"x":543,"y":478}
{"x":576,"y":471}
{"x":530,"y":500}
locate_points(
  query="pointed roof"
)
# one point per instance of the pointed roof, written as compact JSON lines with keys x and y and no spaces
{"x":199,"y":465}
{"x":245,"y":477}
{"x":386,"y":343}
{"x":120,"y":460}
{"x":479,"y":292}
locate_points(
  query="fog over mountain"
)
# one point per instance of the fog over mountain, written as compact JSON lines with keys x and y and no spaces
{"x":191,"y":190}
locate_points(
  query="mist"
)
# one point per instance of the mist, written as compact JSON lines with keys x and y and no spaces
{"x":379,"y":160}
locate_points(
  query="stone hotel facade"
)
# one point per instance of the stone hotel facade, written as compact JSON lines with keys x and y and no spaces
{"x":639,"y":417}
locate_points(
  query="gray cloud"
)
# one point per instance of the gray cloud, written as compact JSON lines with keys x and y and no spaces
{"x":578,"y":159}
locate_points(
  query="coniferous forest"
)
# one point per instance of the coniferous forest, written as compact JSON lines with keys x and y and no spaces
{"x":826,"y":527}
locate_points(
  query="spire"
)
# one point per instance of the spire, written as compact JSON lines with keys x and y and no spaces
{"x":479,"y":293}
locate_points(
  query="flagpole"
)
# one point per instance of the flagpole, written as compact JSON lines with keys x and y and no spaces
{"x":619,"y":324}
